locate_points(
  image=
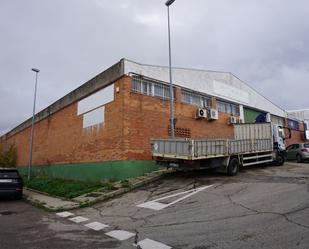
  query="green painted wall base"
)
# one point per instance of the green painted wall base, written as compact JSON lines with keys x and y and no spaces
{"x":115,"y":170}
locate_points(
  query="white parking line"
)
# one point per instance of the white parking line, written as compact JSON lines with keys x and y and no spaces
{"x":155,"y":205}
{"x":97,"y":226}
{"x":64,"y":214}
{"x":120,"y":234}
{"x":151,"y":244}
{"x":78,"y":219}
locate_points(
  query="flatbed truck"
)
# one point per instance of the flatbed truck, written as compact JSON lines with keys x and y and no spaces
{"x":256,"y":143}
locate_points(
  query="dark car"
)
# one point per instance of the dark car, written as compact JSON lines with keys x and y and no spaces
{"x":11,"y":183}
{"x":300,"y":152}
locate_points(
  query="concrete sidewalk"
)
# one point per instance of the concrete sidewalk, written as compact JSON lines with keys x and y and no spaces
{"x":48,"y":202}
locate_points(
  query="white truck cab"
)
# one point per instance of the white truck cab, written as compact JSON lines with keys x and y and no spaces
{"x":279,"y":137}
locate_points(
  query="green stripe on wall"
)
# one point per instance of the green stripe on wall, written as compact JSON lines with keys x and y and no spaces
{"x":100,"y":171}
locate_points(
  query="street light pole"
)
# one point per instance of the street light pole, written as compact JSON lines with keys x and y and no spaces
{"x":172,"y":120}
{"x":32,"y":124}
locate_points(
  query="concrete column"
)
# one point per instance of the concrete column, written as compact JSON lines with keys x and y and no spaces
{"x":268,"y":117}
{"x":241,"y":113}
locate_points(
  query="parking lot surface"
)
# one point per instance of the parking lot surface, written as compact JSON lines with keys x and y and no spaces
{"x":261,"y":207}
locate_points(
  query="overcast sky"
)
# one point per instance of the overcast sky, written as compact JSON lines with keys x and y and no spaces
{"x":264,"y":43}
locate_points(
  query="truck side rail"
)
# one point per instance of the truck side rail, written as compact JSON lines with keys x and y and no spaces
{"x":210,"y":147}
{"x":249,"y":145}
{"x":189,"y":149}
{"x":172,"y":148}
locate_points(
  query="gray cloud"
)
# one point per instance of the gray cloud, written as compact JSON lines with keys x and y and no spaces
{"x":263,"y":43}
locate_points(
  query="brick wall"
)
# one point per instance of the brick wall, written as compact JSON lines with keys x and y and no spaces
{"x":297,"y":136}
{"x":147,"y":117}
{"x":131,"y":120}
{"x":60,"y":138}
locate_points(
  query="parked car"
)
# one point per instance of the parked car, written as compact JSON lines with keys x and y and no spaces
{"x":11,"y":183}
{"x":298,"y":152}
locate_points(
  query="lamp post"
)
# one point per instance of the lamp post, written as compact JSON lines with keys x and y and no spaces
{"x":172,"y":121}
{"x":32,"y":124}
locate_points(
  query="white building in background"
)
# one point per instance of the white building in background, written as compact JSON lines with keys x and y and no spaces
{"x":301,"y":115}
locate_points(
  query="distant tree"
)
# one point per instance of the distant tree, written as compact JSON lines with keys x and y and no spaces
{"x":8,"y":157}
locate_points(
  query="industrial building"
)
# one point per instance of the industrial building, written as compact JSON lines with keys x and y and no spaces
{"x":301,"y":115}
{"x":102,"y":129}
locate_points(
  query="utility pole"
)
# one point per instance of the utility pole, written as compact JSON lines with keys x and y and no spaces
{"x":172,"y":119}
{"x":32,"y":123}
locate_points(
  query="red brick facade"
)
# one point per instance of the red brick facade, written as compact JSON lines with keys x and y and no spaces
{"x":297,"y":136}
{"x":131,"y":120}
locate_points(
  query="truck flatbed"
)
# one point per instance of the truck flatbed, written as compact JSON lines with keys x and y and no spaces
{"x":197,"y":149}
{"x":252,"y":144}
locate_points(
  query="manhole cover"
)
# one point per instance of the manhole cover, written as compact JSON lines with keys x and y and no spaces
{"x":6,"y":212}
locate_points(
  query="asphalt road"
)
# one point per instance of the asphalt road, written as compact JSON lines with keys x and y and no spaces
{"x":262,"y":207}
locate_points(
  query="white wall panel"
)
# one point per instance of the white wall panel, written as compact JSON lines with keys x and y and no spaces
{"x":299,"y":114}
{"x":95,"y":100}
{"x":230,"y":92}
{"x":219,"y":84}
{"x":94,"y":117}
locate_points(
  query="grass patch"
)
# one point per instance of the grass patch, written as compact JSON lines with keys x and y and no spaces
{"x":62,"y":188}
{"x":110,"y":185}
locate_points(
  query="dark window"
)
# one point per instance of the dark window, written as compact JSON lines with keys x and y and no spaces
{"x":293,"y":124}
{"x":136,"y":85}
{"x":150,"y":87}
{"x":306,"y":145}
{"x":227,"y":107}
{"x":8,"y":174}
{"x":194,"y":98}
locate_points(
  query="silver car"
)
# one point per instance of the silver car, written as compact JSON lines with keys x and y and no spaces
{"x":300,"y":152}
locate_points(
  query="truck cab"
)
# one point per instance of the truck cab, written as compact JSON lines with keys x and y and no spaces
{"x":279,"y":137}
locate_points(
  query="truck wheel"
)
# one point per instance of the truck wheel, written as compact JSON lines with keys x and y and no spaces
{"x":299,"y":158}
{"x":279,"y":160}
{"x":233,"y":167}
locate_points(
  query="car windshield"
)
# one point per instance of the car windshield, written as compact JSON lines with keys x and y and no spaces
{"x":8,"y":174}
{"x":306,"y":145}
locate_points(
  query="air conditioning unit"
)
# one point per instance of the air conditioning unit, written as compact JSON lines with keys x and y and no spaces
{"x":233,"y":120}
{"x":201,"y":113}
{"x":213,"y":114}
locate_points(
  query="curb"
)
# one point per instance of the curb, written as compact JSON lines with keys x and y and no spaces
{"x":118,"y":192}
{"x":43,"y":205}
{"x":104,"y":197}
{"x":47,"y":194}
